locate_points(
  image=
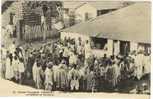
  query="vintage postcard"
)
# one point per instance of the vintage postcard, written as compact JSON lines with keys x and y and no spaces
{"x":75,"y":48}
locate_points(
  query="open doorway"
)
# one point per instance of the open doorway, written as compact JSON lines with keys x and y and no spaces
{"x":124,"y":47}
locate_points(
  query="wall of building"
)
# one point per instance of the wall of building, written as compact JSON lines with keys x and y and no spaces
{"x":112,"y":47}
{"x":81,"y":11}
{"x":15,"y":8}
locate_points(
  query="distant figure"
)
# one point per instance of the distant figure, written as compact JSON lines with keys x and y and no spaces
{"x":10,"y":30}
{"x":43,"y":21}
{"x":43,"y":26}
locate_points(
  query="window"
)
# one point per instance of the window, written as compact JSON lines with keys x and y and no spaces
{"x":145,"y":47}
{"x":124,"y":47}
{"x":98,"y":43}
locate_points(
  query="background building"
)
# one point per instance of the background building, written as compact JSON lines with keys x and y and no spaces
{"x":82,"y":11}
{"x":121,"y":31}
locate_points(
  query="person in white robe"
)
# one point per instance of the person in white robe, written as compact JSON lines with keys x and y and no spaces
{"x":72,"y":59}
{"x":9,"y":74}
{"x":147,"y":64}
{"x":21,"y":70}
{"x":87,"y":50}
{"x":34,"y":71}
{"x":139,"y":65}
{"x":15,"y":65}
{"x":116,"y":73}
{"x":49,"y":77}
{"x":38,"y":80}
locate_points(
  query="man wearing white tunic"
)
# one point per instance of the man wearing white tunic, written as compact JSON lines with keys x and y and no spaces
{"x":15,"y":64}
{"x":34,"y":71}
{"x":72,"y":59}
{"x":87,"y":50}
{"x":9,"y":74}
{"x":49,"y":77}
{"x":147,"y":64}
{"x":38,"y":81}
{"x":21,"y":70}
{"x":139,"y":65}
{"x":116,"y":73}
{"x":43,"y":26}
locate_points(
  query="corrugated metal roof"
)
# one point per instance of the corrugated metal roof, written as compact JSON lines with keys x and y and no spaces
{"x":132,"y":23}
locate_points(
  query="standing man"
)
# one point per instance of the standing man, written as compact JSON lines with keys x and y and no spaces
{"x":21,"y":70}
{"x":43,"y":21}
{"x":49,"y":77}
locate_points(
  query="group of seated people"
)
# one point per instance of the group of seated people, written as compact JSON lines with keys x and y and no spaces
{"x":63,"y":66}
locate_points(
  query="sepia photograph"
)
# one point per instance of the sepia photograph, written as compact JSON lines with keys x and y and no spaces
{"x":75,"y":48}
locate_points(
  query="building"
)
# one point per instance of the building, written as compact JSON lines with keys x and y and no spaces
{"x":120,"y":31}
{"x":83,"y":11}
{"x":27,"y":18}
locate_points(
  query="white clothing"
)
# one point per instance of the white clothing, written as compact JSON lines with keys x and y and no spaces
{"x":9,"y":70}
{"x":139,"y":66}
{"x":34,"y":71}
{"x":87,"y":51}
{"x":72,"y":59}
{"x":48,"y":76}
{"x":66,"y":52}
{"x":42,"y":19}
{"x":21,"y":67}
{"x":10,"y":29}
{"x":74,"y":84}
{"x":147,"y":64}
{"x":15,"y":65}
{"x":12,"y":48}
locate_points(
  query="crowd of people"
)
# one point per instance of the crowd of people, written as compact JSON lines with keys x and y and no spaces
{"x":68,"y":65}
